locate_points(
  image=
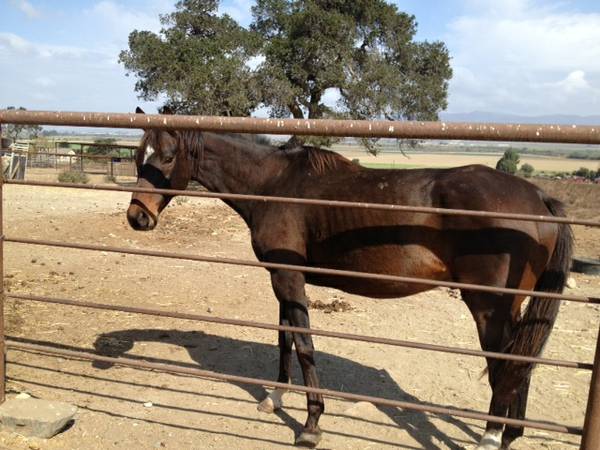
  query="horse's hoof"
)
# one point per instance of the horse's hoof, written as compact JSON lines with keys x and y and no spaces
{"x":273,"y":402}
{"x":268,"y":406}
{"x":491,"y":440}
{"x":310,"y":440}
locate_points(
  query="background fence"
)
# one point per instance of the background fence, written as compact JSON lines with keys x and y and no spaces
{"x":412,"y":130}
{"x":112,"y":160}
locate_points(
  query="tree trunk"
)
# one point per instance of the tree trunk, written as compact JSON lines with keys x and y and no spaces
{"x":294,"y":141}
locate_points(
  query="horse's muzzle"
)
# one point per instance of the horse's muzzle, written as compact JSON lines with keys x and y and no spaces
{"x":140,"y":219}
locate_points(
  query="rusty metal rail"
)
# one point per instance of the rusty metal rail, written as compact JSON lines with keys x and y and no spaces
{"x":2,"y":298}
{"x":591,"y":436}
{"x":318,"y":202}
{"x":311,"y":331}
{"x":169,"y":368}
{"x":304,"y":269}
{"x":319,"y":127}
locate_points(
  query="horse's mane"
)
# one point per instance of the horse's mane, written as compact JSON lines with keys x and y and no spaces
{"x":323,"y":161}
{"x":318,"y":159}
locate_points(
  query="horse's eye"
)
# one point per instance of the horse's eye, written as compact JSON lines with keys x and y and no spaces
{"x":169,"y":159}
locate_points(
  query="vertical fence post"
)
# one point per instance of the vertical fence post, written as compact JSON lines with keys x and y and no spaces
{"x":2,"y":347}
{"x":591,"y":429}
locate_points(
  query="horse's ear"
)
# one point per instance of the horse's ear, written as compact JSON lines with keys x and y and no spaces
{"x":166,"y":110}
{"x":139,"y":110}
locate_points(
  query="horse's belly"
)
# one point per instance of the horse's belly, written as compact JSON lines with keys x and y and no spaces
{"x":406,"y":261}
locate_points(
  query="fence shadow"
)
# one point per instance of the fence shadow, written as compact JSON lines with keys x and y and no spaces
{"x":257,"y":360}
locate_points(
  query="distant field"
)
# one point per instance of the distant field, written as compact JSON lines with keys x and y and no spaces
{"x":428,"y":156}
{"x":422,"y":159}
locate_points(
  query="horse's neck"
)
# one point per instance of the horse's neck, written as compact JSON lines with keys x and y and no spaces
{"x":230,"y":165}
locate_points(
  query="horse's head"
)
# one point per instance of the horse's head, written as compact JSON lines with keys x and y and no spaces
{"x":162,"y":163}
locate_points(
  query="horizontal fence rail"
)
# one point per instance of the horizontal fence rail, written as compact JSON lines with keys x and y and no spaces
{"x":319,"y":202}
{"x":304,"y":269}
{"x":573,"y":134}
{"x":311,"y":331}
{"x":169,"y":368}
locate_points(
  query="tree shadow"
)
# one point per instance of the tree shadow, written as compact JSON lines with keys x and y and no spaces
{"x":257,"y":360}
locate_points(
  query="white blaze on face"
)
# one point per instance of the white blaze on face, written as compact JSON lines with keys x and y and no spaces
{"x":148,"y":153}
{"x":491,"y":440}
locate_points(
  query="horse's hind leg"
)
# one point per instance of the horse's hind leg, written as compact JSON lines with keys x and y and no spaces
{"x":516,"y":410}
{"x":274,"y":400}
{"x":493,"y":316}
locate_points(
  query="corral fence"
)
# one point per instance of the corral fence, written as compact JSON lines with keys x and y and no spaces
{"x":112,"y":166}
{"x":112,"y":160}
{"x":590,"y":432}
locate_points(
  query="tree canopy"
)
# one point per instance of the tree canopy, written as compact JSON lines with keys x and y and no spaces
{"x":198,"y":62}
{"x":294,"y":53}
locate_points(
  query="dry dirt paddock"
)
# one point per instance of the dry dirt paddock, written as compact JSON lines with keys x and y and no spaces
{"x":192,"y":413}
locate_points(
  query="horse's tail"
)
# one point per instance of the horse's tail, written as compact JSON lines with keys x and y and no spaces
{"x":532,"y":332}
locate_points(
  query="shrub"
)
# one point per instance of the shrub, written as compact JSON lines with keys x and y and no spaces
{"x":73,"y":176}
{"x":582,"y":172}
{"x":526,"y":170}
{"x":509,"y":162}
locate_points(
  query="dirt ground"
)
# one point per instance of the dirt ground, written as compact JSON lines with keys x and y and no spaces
{"x":192,"y":413}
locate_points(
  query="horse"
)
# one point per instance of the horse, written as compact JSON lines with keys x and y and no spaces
{"x":478,"y":250}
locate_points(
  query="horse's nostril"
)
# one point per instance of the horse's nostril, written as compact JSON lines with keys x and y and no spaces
{"x":140,"y":219}
{"x":143,"y":220}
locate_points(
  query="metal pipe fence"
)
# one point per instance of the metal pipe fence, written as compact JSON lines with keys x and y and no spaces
{"x":413,"y":130}
{"x":304,"y":269}
{"x":171,"y":368}
{"x":319,"y":127}
{"x":311,"y":331}
{"x":110,"y":165}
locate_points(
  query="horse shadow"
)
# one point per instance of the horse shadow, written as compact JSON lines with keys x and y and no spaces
{"x":257,"y":360}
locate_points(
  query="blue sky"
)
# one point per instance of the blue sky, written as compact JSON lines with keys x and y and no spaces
{"x":527,"y":57}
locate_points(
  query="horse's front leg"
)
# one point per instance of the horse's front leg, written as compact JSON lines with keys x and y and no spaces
{"x":289,"y":289}
{"x":274,"y":400}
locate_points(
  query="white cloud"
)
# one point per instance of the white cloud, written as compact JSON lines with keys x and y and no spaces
{"x":525,"y":57}
{"x":26,"y":8}
{"x":44,"y":81}
{"x":121,"y":20}
{"x":574,"y":82}
{"x":42,"y":76}
{"x":11,"y":43}
{"x":85,"y":75}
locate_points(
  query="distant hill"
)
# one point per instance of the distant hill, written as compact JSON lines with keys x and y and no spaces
{"x":482,"y":116}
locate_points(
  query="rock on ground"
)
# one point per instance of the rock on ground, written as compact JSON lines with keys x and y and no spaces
{"x":35,"y":417}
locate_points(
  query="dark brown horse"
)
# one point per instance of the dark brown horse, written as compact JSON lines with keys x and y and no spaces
{"x":487,"y":251}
